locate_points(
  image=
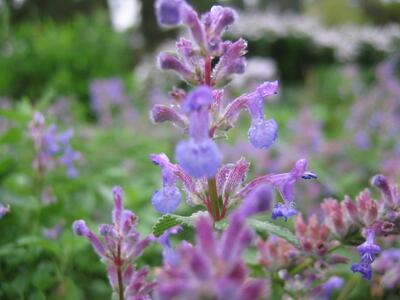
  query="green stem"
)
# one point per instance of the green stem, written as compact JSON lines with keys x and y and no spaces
{"x":119,"y":274}
{"x":212,"y":191}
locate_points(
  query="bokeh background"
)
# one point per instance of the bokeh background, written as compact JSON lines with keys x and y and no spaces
{"x":90,"y":65}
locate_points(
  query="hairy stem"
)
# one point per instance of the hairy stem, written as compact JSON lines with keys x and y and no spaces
{"x":207,"y":71}
{"x":212,"y":191}
{"x":119,"y":274}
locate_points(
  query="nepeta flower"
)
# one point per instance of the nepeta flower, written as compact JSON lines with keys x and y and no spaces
{"x":168,"y":198}
{"x":199,"y":156}
{"x":368,"y":252}
{"x":325,"y":290}
{"x":121,"y":245}
{"x":388,"y":265}
{"x":213,"y":267}
{"x":168,"y":12}
{"x":52,"y":147}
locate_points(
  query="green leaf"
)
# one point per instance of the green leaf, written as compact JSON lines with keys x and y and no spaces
{"x":270,"y":228}
{"x":169,"y":221}
{"x":266,"y":227}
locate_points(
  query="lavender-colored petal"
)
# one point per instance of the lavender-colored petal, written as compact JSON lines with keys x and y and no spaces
{"x":199,"y":159}
{"x":258,"y":201}
{"x":199,"y":98}
{"x":283,"y":210}
{"x":168,"y":12}
{"x":162,"y":113}
{"x":263,"y":133}
{"x":167,"y":199}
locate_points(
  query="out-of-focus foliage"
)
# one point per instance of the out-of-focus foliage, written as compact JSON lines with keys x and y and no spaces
{"x":42,"y":56}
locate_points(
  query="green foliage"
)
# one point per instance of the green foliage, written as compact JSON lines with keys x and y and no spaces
{"x":37,"y":57}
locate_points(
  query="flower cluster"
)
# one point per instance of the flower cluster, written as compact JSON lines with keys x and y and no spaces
{"x":388,"y":265}
{"x":121,"y":245}
{"x":213,"y":268}
{"x":107,"y":95}
{"x":52,"y":147}
{"x":209,"y":63}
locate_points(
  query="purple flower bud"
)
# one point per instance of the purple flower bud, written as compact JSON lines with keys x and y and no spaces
{"x":166,"y":200}
{"x":223,"y":17}
{"x":168,"y":61}
{"x":198,"y":99}
{"x":118,"y":206}
{"x":191,"y":20}
{"x":368,"y":252}
{"x":80,"y":228}
{"x":168,"y":12}
{"x":235,"y":177}
{"x":199,"y":158}
{"x":162,"y":113}
{"x":262,"y":134}
{"x":258,"y":201}
{"x":382,"y":184}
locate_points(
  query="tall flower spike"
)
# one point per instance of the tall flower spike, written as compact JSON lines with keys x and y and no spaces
{"x":169,"y":197}
{"x":368,"y":252}
{"x":199,"y":156}
{"x":285,"y":185}
{"x":262,"y":133}
{"x":120,"y":246}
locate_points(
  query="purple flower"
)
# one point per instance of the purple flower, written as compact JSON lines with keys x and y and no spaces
{"x":368,"y":252}
{"x":168,"y":12}
{"x":213,"y":267}
{"x":388,"y":265}
{"x":262,"y":133}
{"x":284,"y":183}
{"x":199,"y":156}
{"x":325,"y":290}
{"x":121,"y":245}
{"x":169,"y":197}
{"x":170,"y":255}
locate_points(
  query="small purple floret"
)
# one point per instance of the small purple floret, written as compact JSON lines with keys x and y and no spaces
{"x":199,"y":158}
{"x":168,"y":12}
{"x":262,"y":134}
{"x":166,"y":200}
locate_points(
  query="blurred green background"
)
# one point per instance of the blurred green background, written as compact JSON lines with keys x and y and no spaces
{"x":339,"y":106}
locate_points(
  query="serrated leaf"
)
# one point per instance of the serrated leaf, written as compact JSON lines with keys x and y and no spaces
{"x":268,"y":228}
{"x":168,"y":221}
{"x":277,"y":230}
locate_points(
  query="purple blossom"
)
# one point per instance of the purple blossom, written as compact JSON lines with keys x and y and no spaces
{"x":325,"y":290}
{"x":388,"y":265}
{"x":262,"y":133}
{"x":52,"y":147}
{"x":170,"y":255}
{"x":120,"y":246}
{"x":368,"y":252}
{"x":168,"y":198}
{"x":168,"y":12}
{"x":199,"y":156}
{"x":213,"y":267}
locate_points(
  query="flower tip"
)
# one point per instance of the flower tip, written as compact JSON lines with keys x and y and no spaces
{"x":380,"y":181}
{"x":168,"y":12}
{"x":198,"y":98}
{"x":80,"y":228}
{"x":263,"y":134}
